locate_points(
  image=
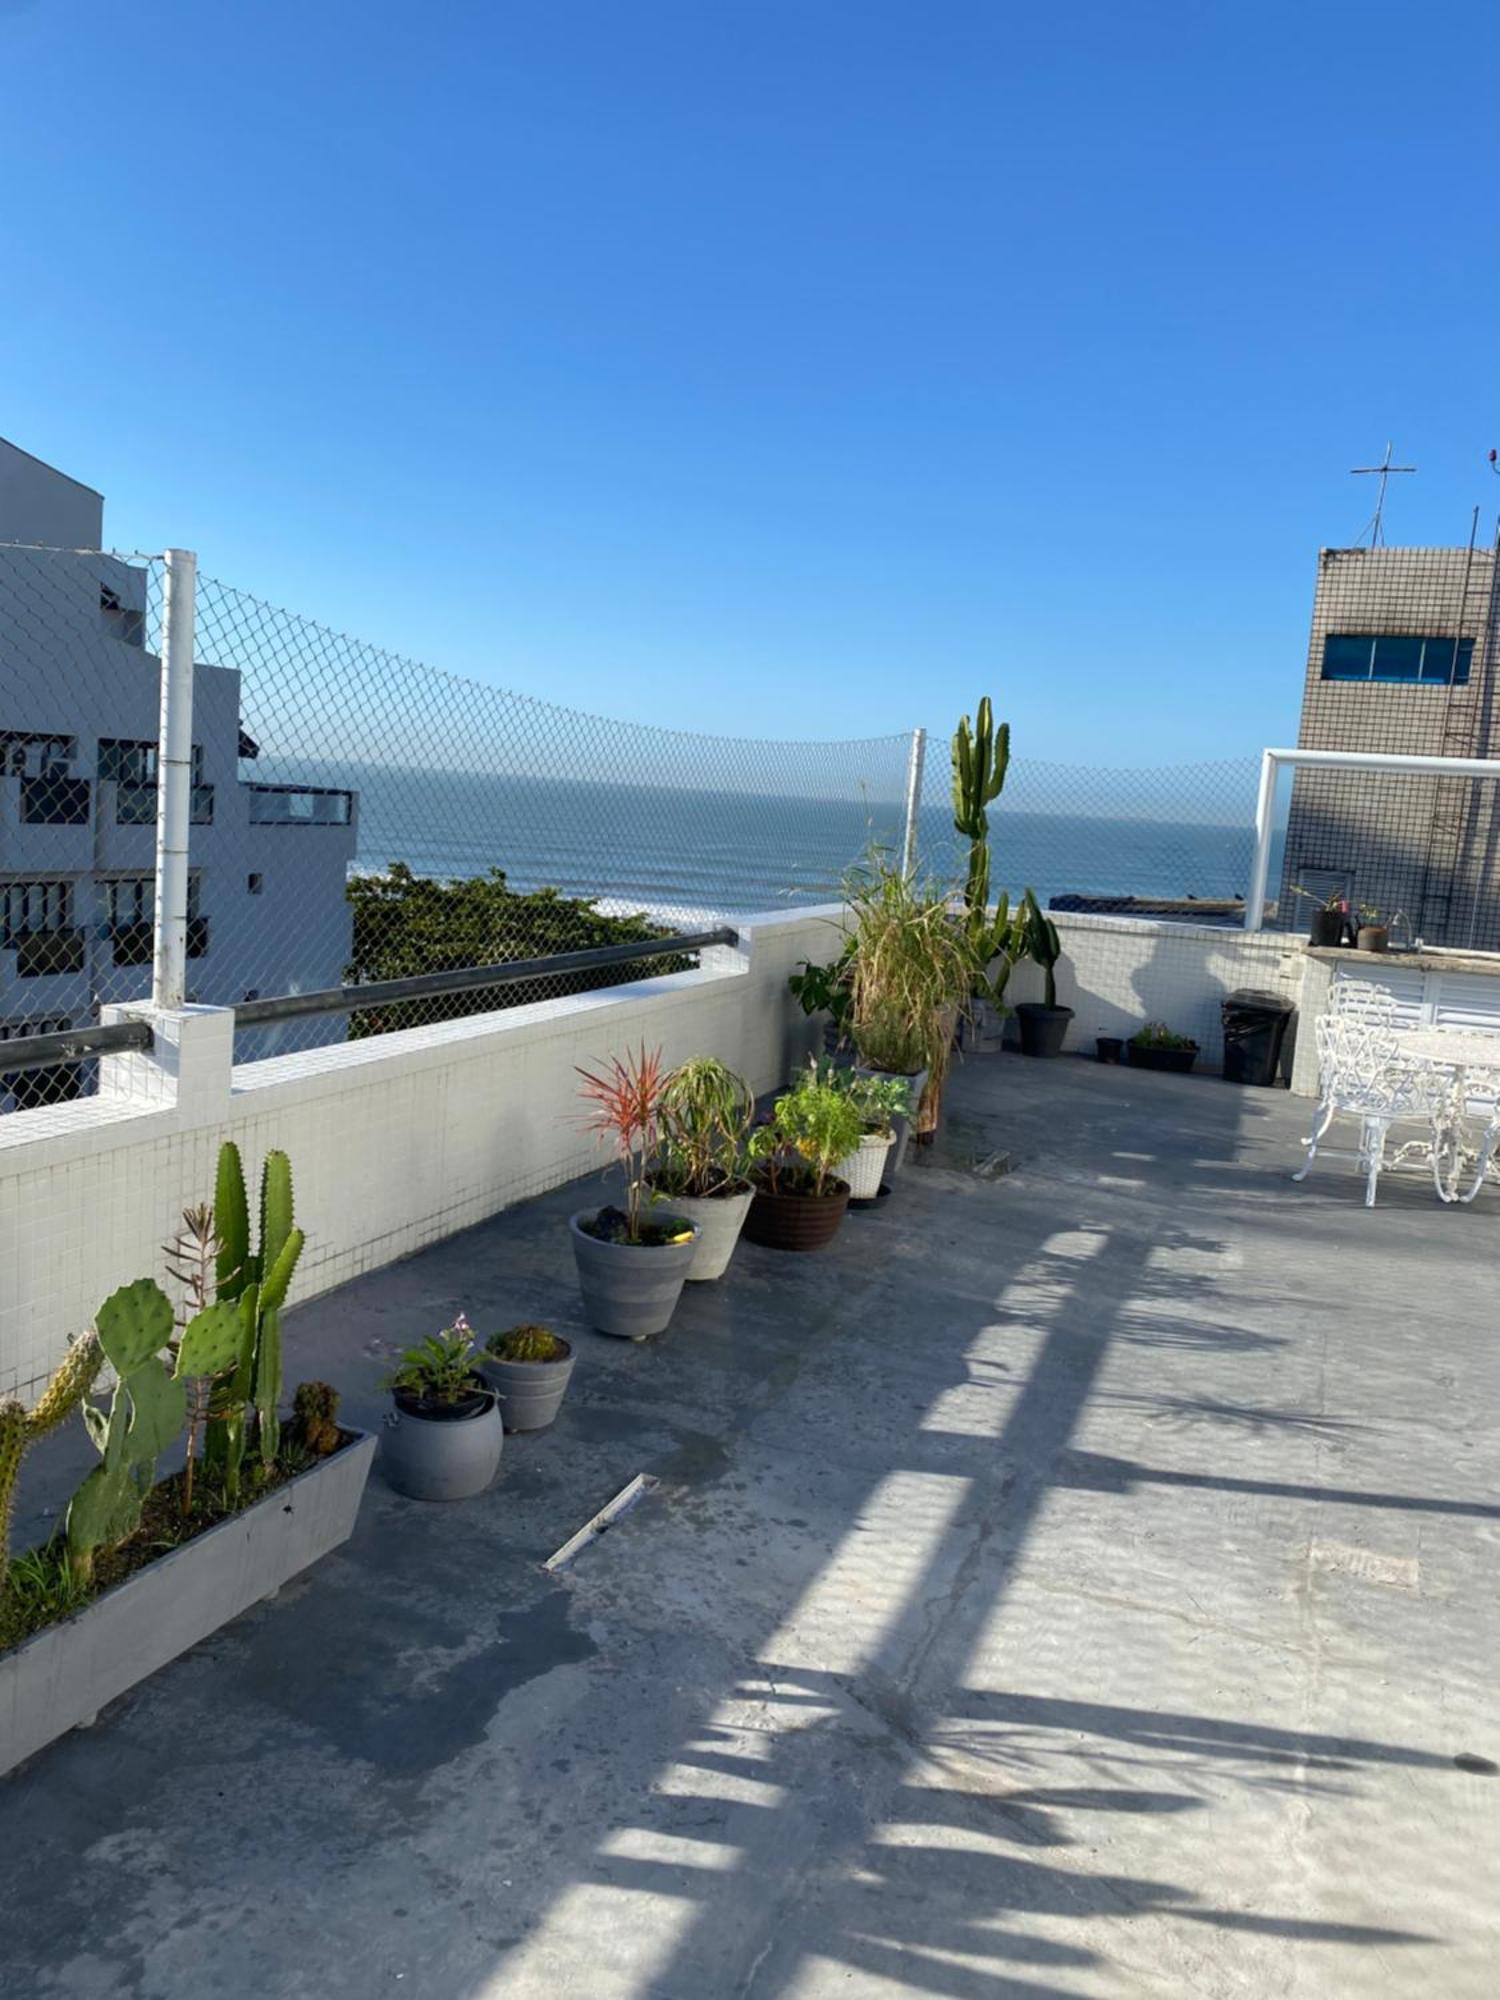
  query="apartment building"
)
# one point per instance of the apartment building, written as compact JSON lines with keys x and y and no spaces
{"x":79,"y":704}
{"x":1400,"y":658}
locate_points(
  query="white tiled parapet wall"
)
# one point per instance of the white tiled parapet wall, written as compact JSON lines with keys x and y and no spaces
{"x":1117,"y":973}
{"x":395,"y":1141}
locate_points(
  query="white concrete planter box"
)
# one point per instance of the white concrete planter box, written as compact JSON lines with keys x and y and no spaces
{"x":62,"y":1676}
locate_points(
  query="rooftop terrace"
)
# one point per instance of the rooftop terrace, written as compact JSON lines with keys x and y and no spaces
{"x":1077,"y":1582}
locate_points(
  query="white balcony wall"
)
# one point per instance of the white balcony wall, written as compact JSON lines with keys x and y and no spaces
{"x":395,"y":1141}
{"x":1117,"y":973}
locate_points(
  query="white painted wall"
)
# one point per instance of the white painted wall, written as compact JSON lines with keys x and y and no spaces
{"x":1117,"y":973}
{"x":395,"y":1141}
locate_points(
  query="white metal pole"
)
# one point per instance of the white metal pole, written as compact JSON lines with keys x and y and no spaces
{"x":174,"y":779}
{"x":1265,"y":804}
{"x":913,"y":799}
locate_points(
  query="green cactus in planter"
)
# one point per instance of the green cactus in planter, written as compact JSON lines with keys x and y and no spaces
{"x":256,"y":1284}
{"x":146,"y":1412}
{"x":981,"y":759}
{"x":1039,"y":941}
{"x":20,"y":1428}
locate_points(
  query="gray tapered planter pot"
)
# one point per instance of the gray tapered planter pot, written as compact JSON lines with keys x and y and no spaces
{"x":442,"y":1458}
{"x":719,"y":1219}
{"x":901,"y":1126}
{"x":530,"y":1392}
{"x":629,"y":1289}
{"x":61,"y":1677}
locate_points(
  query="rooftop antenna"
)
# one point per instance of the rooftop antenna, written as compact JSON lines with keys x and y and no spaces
{"x":1375,"y":530}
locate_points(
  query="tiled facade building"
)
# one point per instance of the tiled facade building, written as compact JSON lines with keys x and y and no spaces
{"x":1401,"y":659}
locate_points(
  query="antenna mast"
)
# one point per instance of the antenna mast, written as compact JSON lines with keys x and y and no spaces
{"x":1375,"y":530}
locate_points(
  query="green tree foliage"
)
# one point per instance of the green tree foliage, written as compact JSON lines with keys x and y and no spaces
{"x":406,"y":924}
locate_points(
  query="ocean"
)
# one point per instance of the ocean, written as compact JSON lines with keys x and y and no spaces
{"x":687,"y":854}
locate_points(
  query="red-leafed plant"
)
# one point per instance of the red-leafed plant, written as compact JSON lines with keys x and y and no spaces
{"x":626,"y":1107}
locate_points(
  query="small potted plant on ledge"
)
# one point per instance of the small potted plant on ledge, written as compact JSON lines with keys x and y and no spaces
{"x":1328,"y":923}
{"x":698,"y":1169}
{"x":1374,"y":933}
{"x":443,"y":1441}
{"x":800,"y":1197}
{"x":1043,"y":1024}
{"x":1156,"y":1047}
{"x":632,"y":1263}
{"x":879,"y":1101}
{"x":529,"y":1368}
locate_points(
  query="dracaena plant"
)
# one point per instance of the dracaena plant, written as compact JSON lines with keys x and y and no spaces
{"x":625,"y":1108}
{"x":705,"y":1116}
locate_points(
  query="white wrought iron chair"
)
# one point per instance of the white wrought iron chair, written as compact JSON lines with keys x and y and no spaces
{"x":1362,"y":1074}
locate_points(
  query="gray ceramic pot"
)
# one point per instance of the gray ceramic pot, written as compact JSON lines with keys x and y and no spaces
{"x":719,"y":1219}
{"x":530,"y":1392}
{"x":442,"y":1458}
{"x":900,"y":1126}
{"x":629,"y":1289}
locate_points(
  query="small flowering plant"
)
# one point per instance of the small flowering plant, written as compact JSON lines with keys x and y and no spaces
{"x":439,"y":1369}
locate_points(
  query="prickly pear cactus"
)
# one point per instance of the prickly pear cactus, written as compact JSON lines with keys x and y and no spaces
{"x":146,"y":1412}
{"x":210,"y":1343}
{"x":134,"y":1323}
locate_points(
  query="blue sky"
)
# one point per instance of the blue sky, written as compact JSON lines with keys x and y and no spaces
{"x":791,"y":369}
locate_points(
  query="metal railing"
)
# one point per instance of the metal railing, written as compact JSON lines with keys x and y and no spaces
{"x":465,"y":979}
{"x":26,"y":1052}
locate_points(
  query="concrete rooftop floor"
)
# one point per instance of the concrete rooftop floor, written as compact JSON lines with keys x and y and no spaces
{"x":1079,"y":1583}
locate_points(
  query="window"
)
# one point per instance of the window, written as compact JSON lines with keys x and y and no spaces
{"x":27,"y":909}
{"x":1389,"y":656}
{"x":254,"y":884}
{"x":26,"y":754}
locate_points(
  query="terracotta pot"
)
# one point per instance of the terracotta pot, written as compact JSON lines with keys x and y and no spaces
{"x":1373,"y":937}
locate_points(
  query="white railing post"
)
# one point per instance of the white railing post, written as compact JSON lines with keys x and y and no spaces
{"x":1265,"y":808}
{"x":913,"y":799}
{"x":174,"y":780}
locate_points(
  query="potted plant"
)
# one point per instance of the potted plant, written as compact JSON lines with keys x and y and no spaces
{"x":911,"y":975}
{"x":800,"y":1197}
{"x":443,"y":1440}
{"x":529,"y":1368}
{"x":1328,"y":924}
{"x":632,"y":1264}
{"x":1043,"y":1024}
{"x":699,"y":1166}
{"x":141,"y":1568}
{"x":1374,"y":932}
{"x":981,"y":758}
{"x":826,"y":989}
{"x":879,"y":1100}
{"x":1156,"y":1047}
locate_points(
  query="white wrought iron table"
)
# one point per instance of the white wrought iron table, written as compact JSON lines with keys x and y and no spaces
{"x":1463,"y":1067}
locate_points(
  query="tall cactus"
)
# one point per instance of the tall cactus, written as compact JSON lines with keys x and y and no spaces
{"x":256,"y":1282}
{"x":20,"y":1428}
{"x":145,"y":1414}
{"x":981,"y":759}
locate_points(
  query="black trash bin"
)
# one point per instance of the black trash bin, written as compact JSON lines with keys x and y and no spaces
{"x":1255,"y":1026}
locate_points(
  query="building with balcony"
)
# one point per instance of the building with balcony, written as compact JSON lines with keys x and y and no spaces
{"x":1401,"y":659}
{"x":79,"y":705}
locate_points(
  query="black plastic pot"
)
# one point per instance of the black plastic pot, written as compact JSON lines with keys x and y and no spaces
{"x":1111,"y":1048}
{"x":1043,"y":1029}
{"x":1179,"y":1061}
{"x":1326,"y":929}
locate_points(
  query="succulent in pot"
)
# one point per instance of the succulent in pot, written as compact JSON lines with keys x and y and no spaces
{"x":443,"y":1441}
{"x":911,"y":977}
{"x":1156,"y":1046}
{"x":1043,"y":1024}
{"x":632,"y":1262}
{"x":699,"y":1168}
{"x":800,"y":1196}
{"x":529,"y":1368}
